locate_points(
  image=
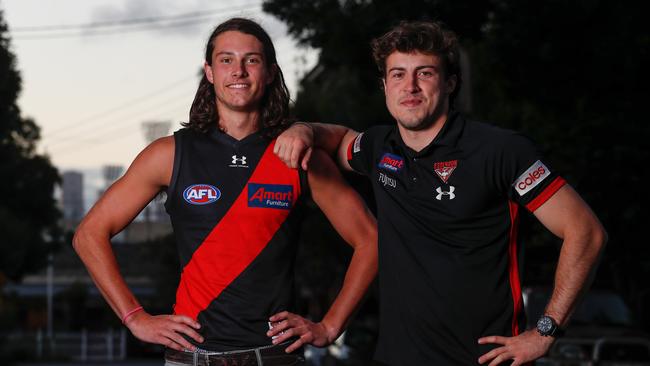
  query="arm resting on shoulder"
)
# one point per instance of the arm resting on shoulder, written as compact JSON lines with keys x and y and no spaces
{"x":294,"y":146}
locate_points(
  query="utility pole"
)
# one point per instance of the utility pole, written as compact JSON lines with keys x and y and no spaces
{"x":50,"y":293}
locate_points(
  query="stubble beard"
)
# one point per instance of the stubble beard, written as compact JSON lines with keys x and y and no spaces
{"x":424,"y":122}
{"x":415,"y":125}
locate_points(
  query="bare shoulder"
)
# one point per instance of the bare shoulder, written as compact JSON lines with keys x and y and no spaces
{"x":155,"y":163}
{"x":162,"y":148}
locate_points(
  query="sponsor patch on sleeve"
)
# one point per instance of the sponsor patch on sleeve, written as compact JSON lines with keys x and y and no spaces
{"x":357,"y":143}
{"x":531,"y":178}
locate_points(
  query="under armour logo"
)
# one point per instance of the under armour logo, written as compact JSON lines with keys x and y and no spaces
{"x":241,"y":160}
{"x":445,"y":193}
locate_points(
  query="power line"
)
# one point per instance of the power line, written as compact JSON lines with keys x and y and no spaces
{"x":108,"y":137}
{"x":110,"y":32}
{"x":158,"y":115}
{"x":120,"y":27}
{"x":126,"y":22}
{"x":102,"y":129}
{"x":114,"y":23}
{"x":80,"y":128}
{"x":108,"y":112}
{"x":115,"y":31}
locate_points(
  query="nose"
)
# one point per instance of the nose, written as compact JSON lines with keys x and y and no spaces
{"x":239,"y":70}
{"x":411,"y":84}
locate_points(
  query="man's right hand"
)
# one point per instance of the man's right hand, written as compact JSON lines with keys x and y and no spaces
{"x":165,"y":330}
{"x":294,"y":146}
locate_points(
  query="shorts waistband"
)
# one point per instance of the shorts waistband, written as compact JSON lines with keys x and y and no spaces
{"x":249,"y":356}
{"x":202,"y":351}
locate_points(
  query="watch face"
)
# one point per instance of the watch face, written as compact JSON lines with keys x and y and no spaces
{"x":545,"y":325}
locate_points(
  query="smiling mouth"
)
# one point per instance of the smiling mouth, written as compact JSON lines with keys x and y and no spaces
{"x":238,"y":86}
{"x":411,"y":103}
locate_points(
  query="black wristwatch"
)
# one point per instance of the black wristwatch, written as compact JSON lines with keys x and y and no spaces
{"x":548,"y":327}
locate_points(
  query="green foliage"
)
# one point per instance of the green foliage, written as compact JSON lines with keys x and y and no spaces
{"x":28,"y":213}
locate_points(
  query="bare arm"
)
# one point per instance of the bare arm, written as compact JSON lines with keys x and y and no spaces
{"x":148,"y":174}
{"x":294,"y":145}
{"x":354,"y":222}
{"x":566,"y":215}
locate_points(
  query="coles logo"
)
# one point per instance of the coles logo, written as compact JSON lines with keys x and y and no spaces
{"x":277,"y":196}
{"x":201,"y":194}
{"x":391,"y":162}
{"x":531,"y":178}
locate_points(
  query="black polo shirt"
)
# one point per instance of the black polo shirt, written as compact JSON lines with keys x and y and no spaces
{"x":447,"y":218}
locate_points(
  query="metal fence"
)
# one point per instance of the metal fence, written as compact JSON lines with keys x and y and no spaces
{"x":81,"y":346}
{"x":605,"y":351}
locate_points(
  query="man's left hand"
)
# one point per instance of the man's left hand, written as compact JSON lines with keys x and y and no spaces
{"x":287,"y":325}
{"x":526,"y":347}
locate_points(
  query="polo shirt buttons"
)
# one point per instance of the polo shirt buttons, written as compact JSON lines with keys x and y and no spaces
{"x":415,"y":179}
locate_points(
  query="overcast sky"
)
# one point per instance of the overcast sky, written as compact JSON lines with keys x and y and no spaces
{"x":90,"y":88}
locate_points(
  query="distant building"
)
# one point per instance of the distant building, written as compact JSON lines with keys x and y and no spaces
{"x":72,"y":196}
{"x":111,"y":173}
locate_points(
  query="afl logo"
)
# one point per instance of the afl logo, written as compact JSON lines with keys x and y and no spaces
{"x":201,"y":194}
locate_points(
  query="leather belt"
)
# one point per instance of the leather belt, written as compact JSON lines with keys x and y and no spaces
{"x":273,"y":355}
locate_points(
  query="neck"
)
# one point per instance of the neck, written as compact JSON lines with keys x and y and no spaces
{"x":238,"y":124}
{"x":419,"y":139}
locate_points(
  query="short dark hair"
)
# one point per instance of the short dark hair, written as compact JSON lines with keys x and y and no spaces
{"x":275,"y":102}
{"x":425,"y":37}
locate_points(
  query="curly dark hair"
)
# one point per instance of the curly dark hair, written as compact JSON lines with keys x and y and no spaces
{"x":274,"y":103}
{"x":425,"y":37}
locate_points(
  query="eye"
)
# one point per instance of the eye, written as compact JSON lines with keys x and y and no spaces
{"x":397,"y":75}
{"x":253,"y":60}
{"x":225,"y":60}
{"x":425,"y":74}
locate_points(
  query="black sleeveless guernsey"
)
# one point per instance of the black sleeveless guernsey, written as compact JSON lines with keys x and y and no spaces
{"x":234,"y":210}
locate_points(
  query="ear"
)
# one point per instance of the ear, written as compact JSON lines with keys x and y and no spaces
{"x":208,"y":72}
{"x":451,"y":83}
{"x":383,"y":84}
{"x":273,"y":73}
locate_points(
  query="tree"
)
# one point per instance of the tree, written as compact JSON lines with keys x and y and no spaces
{"x":28,"y":212}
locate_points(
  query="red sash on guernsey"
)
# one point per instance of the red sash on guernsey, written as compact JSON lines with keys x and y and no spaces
{"x":235,"y":241}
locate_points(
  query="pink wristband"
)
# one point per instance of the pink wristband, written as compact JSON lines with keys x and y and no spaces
{"x":127,"y":315}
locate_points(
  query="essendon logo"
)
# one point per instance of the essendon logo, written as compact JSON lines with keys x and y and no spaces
{"x":391,"y":162}
{"x":201,"y":194}
{"x":270,"y":196}
{"x":444,"y":169}
{"x":531,"y":178}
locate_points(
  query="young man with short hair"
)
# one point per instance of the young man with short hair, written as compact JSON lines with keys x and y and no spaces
{"x":449,"y":192}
